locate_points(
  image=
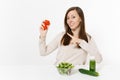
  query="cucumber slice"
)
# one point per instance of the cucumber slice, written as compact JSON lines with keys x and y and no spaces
{"x":92,"y":73}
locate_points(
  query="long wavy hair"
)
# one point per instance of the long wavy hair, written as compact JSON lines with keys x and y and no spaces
{"x":82,"y":33}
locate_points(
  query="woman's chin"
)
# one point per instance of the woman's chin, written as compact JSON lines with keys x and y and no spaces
{"x":73,"y":29}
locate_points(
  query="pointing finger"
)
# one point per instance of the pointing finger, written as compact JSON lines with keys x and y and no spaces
{"x":70,"y":35}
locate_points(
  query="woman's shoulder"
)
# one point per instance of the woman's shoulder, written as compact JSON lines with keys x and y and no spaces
{"x":89,"y":36}
{"x":61,"y":33}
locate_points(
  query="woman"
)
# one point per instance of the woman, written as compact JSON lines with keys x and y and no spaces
{"x":74,"y":45}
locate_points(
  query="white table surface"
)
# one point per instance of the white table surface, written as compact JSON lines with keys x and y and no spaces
{"x":49,"y":72}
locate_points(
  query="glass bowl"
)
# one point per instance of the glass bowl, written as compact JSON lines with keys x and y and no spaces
{"x":63,"y":71}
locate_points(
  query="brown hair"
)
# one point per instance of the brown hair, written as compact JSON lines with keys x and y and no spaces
{"x":82,"y":33}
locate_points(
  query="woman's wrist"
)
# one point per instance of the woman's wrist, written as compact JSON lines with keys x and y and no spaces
{"x":79,"y":41}
{"x":42,"y":37}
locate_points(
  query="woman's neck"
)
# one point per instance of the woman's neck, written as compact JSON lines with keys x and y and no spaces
{"x":76,"y":32}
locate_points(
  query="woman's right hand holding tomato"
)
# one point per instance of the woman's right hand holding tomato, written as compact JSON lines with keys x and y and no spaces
{"x":44,"y":28}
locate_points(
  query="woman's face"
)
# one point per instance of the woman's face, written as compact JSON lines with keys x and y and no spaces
{"x":73,"y":20}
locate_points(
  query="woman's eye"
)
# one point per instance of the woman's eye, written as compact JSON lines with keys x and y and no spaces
{"x":73,"y":17}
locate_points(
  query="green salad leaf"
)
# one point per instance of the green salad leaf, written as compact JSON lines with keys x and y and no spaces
{"x":65,"y":65}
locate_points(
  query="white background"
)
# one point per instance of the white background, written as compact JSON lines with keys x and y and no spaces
{"x":20,"y":21}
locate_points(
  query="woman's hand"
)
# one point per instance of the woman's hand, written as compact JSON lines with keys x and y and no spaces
{"x":42,"y":31}
{"x":74,"y":39}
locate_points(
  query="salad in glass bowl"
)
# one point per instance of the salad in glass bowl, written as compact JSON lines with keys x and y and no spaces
{"x":65,"y":68}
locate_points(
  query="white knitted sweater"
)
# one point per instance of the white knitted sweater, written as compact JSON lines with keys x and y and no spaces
{"x":70,"y":53}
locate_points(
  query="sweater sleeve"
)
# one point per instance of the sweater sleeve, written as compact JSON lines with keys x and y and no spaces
{"x":91,"y":49}
{"x":47,"y":49}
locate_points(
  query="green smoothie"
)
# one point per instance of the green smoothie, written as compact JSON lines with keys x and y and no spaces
{"x":92,"y":64}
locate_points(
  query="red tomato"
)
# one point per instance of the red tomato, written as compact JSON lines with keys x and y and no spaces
{"x":46,"y":23}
